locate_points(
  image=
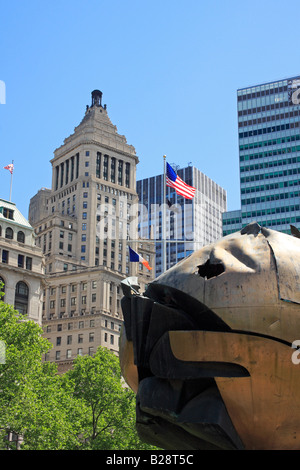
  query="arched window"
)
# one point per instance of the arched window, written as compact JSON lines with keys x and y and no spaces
{"x":21,"y":237}
{"x":9,"y":233}
{"x":21,"y":297}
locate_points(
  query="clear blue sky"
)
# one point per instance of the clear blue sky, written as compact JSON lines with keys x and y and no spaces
{"x":168,"y":69}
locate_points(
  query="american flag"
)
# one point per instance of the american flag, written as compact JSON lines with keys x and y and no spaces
{"x":9,"y":167}
{"x":181,"y":188}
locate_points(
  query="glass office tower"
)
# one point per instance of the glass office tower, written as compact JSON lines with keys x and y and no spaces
{"x":269,"y":153}
{"x":190,"y":223}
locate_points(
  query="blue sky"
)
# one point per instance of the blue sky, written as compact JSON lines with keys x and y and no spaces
{"x":169,"y":71}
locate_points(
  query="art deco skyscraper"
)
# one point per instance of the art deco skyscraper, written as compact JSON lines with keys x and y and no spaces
{"x":84,"y":225}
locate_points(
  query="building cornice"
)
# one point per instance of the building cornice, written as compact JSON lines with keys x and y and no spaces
{"x":91,"y":142}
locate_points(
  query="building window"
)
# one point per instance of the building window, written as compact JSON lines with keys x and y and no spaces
{"x":69,"y":354}
{"x":21,"y":237}
{"x":21,"y":297}
{"x":80,"y":338}
{"x":9,"y":233}
{"x":127,"y":175}
{"x":91,"y":337}
{"x":113,"y":170}
{"x":98,"y":165}
{"x":105,"y":168}
{"x":69,"y":339}
{"x":57,"y":355}
{"x":120,"y":172}
{"x":20,"y":261}
{"x":8,"y":213}
{"x":58,"y":341}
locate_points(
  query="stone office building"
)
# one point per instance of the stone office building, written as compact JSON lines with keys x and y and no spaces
{"x":21,"y":263}
{"x":84,"y":225}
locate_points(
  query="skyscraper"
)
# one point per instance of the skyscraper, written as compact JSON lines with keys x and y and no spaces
{"x":190,"y":223}
{"x":83,"y":226}
{"x":269,"y":155}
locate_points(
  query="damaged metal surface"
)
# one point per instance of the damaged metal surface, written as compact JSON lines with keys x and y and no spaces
{"x":207,"y":347}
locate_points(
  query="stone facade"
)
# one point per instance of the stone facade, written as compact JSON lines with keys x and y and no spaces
{"x":21,"y":263}
{"x":84,"y":225}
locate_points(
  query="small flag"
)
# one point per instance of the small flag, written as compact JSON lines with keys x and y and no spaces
{"x":181,"y":188}
{"x":174,"y":207}
{"x":136,"y":258}
{"x":9,"y":167}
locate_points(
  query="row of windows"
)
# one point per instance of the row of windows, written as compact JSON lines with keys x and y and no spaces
{"x":273,"y":153}
{"x":106,"y":168}
{"x":69,"y":338}
{"x":266,"y":130}
{"x":265,"y":143}
{"x":270,"y":187}
{"x":73,"y":301}
{"x":9,"y":234}
{"x":274,"y":210}
{"x":23,"y":261}
{"x":58,"y":355}
{"x":261,"y":92}
{"x":265,"y":176}
{"x":272,"y":222}
{"x":272,"y":197}
{"x":269,"y":107}
{"x":235,"y":221}
{"x":67,"y":171}
{"x":271,"y":117}
{"x":112,"y":169}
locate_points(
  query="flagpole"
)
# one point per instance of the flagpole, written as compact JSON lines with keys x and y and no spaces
{"x":164,"y":245}
{"x":11,"y":176}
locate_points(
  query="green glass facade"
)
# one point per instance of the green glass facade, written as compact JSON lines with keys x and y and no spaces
{"x":269,"y":155}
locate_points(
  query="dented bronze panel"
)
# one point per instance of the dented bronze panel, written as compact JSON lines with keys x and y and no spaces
{"x":207,"y":347}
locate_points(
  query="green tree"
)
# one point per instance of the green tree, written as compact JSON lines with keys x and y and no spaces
{"x":88,"y":407}
{"x":33,"y":402}
{"x":109,"y":404}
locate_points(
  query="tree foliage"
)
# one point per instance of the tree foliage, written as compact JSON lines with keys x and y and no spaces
{"x":88,"y":407}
